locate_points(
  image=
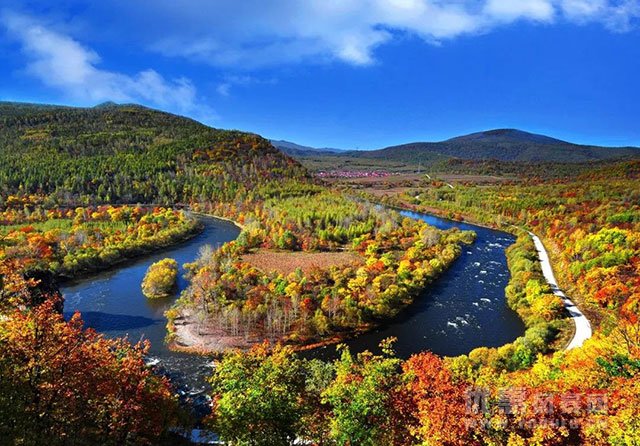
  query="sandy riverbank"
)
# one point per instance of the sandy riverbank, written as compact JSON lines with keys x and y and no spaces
{"x":190,"y":335}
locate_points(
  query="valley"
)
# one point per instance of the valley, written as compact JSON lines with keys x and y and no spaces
{"x":310,"y":280}
{"x":320,"y":223}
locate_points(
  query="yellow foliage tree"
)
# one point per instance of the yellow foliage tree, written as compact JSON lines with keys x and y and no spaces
{"x":160,"y":278}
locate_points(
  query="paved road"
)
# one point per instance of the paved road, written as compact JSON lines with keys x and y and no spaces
{"x":583,"y":326}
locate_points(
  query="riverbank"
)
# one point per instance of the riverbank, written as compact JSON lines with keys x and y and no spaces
{"x":130,"y":255}
{"x":428,"y":210}
{"x":229,"y":220}
{"x":189,"y":335}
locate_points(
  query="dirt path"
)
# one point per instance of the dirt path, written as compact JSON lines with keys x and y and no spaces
{"x":583,"y":326}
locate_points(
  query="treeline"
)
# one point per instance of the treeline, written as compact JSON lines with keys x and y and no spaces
{"x":520,"y":170}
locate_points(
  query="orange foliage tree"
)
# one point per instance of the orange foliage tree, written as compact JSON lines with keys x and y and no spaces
{"x":70,"y":385}
{"x":442,"y":408}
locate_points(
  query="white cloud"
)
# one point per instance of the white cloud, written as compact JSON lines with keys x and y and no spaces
{"x":583,"y":9}
{"x":431,"y":20}
{"x":63,"y":63}
{"x":259,"y":33}
{"x":254,"y":33}
{"x":244,"y":35}
{"x":618,"y":16}
{"x":230,"y":81}
{"x":224,"y":89}
{"x":510,"y":10}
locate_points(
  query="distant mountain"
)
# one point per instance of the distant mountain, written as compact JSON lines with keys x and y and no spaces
{"x":502,"y":136}
{"x":293,"y":149}
{"x":500,"y":144}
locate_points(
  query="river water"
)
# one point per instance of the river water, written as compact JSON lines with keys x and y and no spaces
{"x":463,"y":309}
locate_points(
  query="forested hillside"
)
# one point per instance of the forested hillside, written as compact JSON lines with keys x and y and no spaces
{"x":294,"y":149}
{"x":503,"y":145}
{"x":128,"y":153}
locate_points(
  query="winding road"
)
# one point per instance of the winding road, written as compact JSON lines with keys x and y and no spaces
{"x":583,"y":326}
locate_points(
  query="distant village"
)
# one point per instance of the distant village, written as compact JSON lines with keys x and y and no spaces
{"x":352,"y":174}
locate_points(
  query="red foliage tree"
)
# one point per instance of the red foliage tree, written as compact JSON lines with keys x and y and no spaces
{"x":70,"y":385}
{"x":441,"y":405}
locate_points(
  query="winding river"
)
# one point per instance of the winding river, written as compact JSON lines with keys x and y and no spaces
{"x":463,"y":309}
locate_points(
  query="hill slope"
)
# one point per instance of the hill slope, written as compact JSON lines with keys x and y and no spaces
{"x":503,"y":145}
{"x":129,"y":153}
{"x":501,"y":136}
{"x":508,"y":145}
{"x":293,"y":149}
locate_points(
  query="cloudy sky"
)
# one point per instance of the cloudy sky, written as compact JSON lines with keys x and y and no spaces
{"x":339,"y":73}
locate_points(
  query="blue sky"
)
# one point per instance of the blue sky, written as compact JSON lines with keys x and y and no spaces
{"x":339,"y":73}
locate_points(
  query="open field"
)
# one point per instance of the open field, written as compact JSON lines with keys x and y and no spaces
{"x":287,"y":262}
{"x":395,"y":185}
{"x":343,"y":162}
{"x":415,"y":179}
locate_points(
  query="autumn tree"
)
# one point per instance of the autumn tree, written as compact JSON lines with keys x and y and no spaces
{"x":69,"y":385}
{"x":257,"y":396}
{"x":160,"y":278}
{"x":15,"y":289}
{"x":361,"y":398}
{"x":442,"y":406}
